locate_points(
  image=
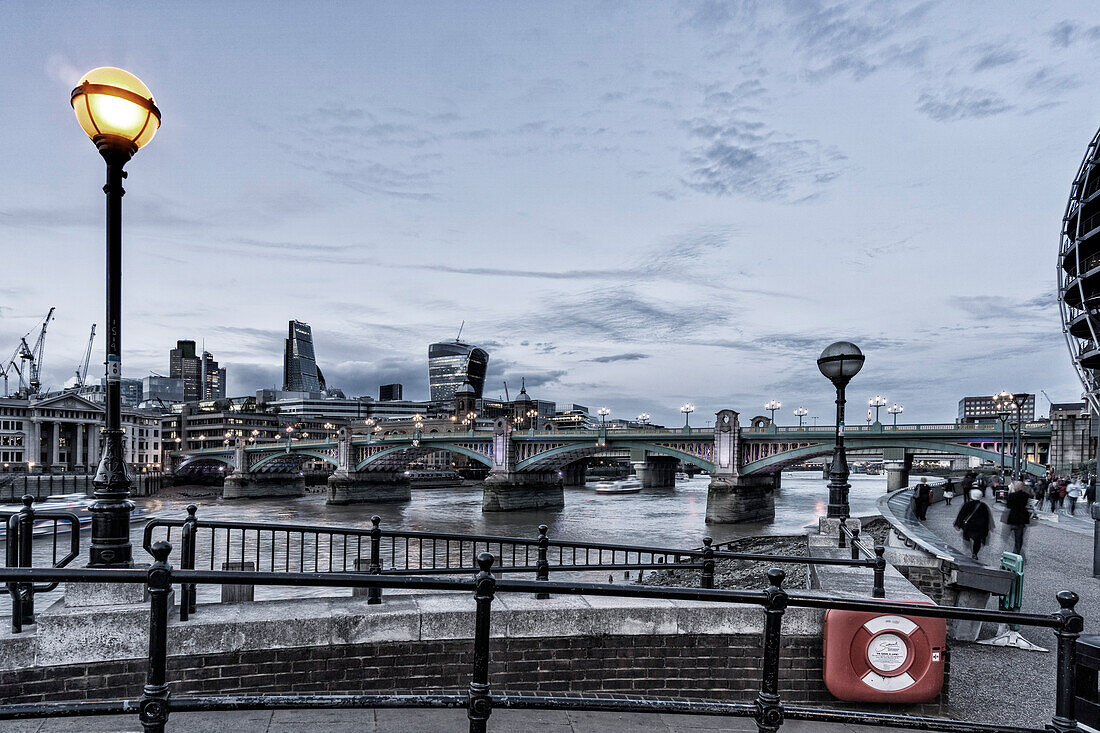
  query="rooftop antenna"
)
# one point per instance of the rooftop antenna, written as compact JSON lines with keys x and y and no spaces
{"x":459,"y":336}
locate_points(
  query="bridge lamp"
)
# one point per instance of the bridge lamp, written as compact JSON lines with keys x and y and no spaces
{"x":771,"y":406}
{"x":644,"y":418}
{"x":603,"y":412}
{"x":839,"y":362}
{"x":1019,"y":400}
{"x":876,"y":402}
{"x":687,"y":409}
{"x":895,"y":410}
{"x":800,"y":412}
{"x":116,"y":110}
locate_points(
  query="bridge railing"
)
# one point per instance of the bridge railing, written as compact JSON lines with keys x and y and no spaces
{"x":19,"y":528}
{"x":157,"y":702}
{"x":299,"y":548}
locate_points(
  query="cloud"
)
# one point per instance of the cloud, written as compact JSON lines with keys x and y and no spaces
{"x":951,"y":105}
{"x":994,"y":55}
{"x":1047,"y":81}
{"x":1066,"y":33}
{"x":628,"y":356}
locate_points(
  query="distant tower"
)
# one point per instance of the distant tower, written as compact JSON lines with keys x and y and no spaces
{"x":465,"y":400}
{"x":300,"y":371}
{"x":450,"y":363}
{"x":522,"y":405}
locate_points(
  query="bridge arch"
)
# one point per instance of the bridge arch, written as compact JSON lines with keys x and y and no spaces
{"x":778,"y":461}
{"x":193,"y":460}
{"x":302,"y":453}
{"x":422,"y":450}
{"x":562,"y":455}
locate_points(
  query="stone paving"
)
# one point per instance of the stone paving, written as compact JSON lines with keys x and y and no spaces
{"x":422,"y":721}
{"x":1017,"y":684}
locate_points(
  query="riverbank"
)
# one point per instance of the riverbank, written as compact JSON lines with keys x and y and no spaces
{"x":740,"y":574}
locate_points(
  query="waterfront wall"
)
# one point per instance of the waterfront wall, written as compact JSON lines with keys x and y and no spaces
{"x":566,"y":643}
{"x":13,"y":487}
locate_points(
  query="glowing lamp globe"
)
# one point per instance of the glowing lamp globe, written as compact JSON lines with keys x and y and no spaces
{"x":116,"y":110}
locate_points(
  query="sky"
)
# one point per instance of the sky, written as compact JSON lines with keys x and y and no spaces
{"x":630,"y":204}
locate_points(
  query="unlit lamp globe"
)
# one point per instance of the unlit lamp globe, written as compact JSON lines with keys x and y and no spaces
{"x":115,"y":109}
{"x":840,"y":361}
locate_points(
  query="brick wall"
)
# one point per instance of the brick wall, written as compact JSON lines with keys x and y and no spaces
{"x":725,"y":667}
{"x":927,"y":580}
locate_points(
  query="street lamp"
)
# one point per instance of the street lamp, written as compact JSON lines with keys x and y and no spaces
{"x":603,"y":412}
{"x":117,"y":112}
{"x":644,"y":418}
{"x":771,"y":406}
{"x":868,"y":415}
{"x":1019,"y":399}
{"x":895,"y":410}
{"x":839,"y":362}
{"x":687,"y":409}
{"x":532,"y":419}
{"x":876,"y":402}
{"x":1002,"y":403}
{"x":800,"y":412}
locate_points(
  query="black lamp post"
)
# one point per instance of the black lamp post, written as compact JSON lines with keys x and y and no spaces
{"x":1002,"y":415}
{"x":1019,"y":398}
{"x":117,"y":112}
{"x":839,"y":362}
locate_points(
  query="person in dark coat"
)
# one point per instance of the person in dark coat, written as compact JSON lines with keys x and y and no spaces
{"x":1018,"y":516}
{"x":1052,"y":494}
{"x":924,"y":498}
{"x":975,"y":521}
{"x":948,"y":492}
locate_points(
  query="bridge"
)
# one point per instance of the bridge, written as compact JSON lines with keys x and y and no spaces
{"x":527,"y":469}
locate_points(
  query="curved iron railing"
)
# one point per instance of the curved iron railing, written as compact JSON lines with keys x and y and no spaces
{"x":289,"y":548}
{"x":156,"y":704}
{"x":21,"y":528}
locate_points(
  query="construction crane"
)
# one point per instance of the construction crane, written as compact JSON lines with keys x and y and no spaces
{"x":82,"y":367}
{"x":30,"y":376}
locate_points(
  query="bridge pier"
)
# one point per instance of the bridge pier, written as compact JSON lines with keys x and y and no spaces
{"x":897,"y":464}
{"x":657,"y":472}
{"x":367,"y":487}
{"x":248,"y":485}
{"x":513,"y":491}
{"x":731,"y":496}
{"x":575,"y":473}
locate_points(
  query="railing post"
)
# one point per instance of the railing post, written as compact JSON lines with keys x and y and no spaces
{"x":769,"y":710}
{"x":25,"y":547}
{"x":840,"y":533}
{"x":542,"y":567}
{"x":189,"y":533}
{"x":879,"y":590}
{"x":374,"y":595}
{"x":480,"y":702}
{"x":855,"y":543}
{"x":11,"y":560}
{"x":707,"y":581}
{"x":153,"y":705}
{"x":1072,"y":623}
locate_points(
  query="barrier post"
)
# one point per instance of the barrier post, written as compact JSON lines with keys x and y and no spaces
{"x":855,"y":543}
{"x":769,"y":709}
{"x":1072,"y":623}
{"x":24,"y":540}
{"x":879,"y":591}
{"x":480,"y":702}
{"x":542,"y":567}
{"x":153,"y":705}
{"x":707,"y":580}
{"x":374,"y":595}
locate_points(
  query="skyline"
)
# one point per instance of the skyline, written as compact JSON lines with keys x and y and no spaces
{"x":636,"y":206}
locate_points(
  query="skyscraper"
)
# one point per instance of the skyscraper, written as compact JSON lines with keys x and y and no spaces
{"x":202,"y":378}
{"x":300,"y":371}
{"x":389,"y":392}
{"x":450,"y":363}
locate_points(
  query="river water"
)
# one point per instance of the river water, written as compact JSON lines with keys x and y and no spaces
{"x":656,"y":517}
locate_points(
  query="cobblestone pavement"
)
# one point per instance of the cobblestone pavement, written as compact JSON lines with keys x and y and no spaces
{"x":421,"y":721}
{"x":1019,"y":684}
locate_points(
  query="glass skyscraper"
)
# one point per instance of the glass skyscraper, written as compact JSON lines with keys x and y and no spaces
{"x":185,"y":364}
{"x":450,"y":363}
{"x":300,"y":371}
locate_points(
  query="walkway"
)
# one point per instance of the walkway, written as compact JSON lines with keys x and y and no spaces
{"x":1021,"y":684}
{"x":422,"y":721}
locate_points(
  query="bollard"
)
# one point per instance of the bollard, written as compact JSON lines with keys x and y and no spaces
{"x":480,"y":702}
{"x":855,"y":543}
{"x":840,"y":533}
{"x":189,"y":537}
{"x":374,"y":595}
{"x":24,"y":538}
{"x":707,"y":580}
{"x":542,"y":567}
{"x":1072,"y":623}
{"x":153,"y":704}
{"x":879,"y":590}
{"x":769,"y":710}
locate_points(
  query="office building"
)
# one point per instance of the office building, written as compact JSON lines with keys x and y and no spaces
{"x":300,"y":371}
{"x":982,"y":410}
{"x":158,"y":391}
{"x":450,"y":364}
{"x":202,"y":378}
{"x":389,"y":392}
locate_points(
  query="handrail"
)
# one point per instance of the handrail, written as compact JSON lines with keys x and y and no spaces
{"x":156,"y":704}
{"x":321,"y":548}
{"x":19,"y":552}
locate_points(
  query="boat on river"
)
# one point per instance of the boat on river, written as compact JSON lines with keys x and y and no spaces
{"x":77,"y":504}
{"x":629,"y":485}
{"x":432,"y":479}
{"x":681,"y":476}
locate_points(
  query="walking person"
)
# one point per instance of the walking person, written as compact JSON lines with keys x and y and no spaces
{"x":924,"y":498}
{"x":1073,"y":493}
{"x":1052,"y":494}
{"x":1018,"y":516}
{"x":975,"y":521}
{"x":948,"y":492}
{"x":1090,"y":491}
{"x":1063,"y":490}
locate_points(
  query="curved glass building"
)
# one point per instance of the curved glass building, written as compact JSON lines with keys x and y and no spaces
{"x":300,"y":371}
{"x":1079,"y":272}
{"x":450,"y":363}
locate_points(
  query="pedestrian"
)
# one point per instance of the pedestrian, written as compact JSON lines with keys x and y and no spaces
{"x":975,"y":521}
{"x":948,"y":492}
{"x":1090,"y":491}
{"x":1018,"y":515}
{"x":924,"y":498}
{"x":1063,"y":490}
{"x":1073,"y":493}
{"x":1052,"y":494}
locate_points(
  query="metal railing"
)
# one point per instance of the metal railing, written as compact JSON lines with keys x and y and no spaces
{"x":21,"y":527}
{"x":480,"y":699}
{"x":300,"y":548}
